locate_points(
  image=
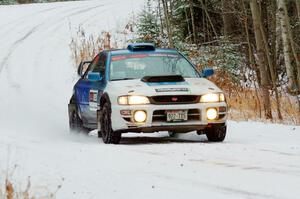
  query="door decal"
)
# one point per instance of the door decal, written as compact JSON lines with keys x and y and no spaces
{"x":93,"y":99}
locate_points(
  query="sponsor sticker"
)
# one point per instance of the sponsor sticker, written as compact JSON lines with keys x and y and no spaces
{"x":160,"y":90}
{"x":163,"y":55}
{"x":93,"y":97}
{"x":122,"y":57}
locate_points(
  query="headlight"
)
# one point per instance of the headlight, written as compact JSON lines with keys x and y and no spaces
{"x":212,"y":97}
{"x":133,"y":100}
{"x":222,"y":97}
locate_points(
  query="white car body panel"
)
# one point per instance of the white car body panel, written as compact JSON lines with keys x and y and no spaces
{"x":191,"y":86}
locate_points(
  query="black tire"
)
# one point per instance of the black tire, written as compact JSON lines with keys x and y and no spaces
{"x":75,"y":123}
{"x":172,"y":134}
{"x":99,"y":124}
{"x":108,"y":135}
{"x":200,"y":132}
{"x":216,"y":133}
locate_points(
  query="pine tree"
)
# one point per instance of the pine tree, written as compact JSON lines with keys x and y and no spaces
{"x":147,"y":26}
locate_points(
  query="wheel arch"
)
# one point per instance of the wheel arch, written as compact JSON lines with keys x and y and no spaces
{"x":104,"y":99}
{"x":73,"y":99}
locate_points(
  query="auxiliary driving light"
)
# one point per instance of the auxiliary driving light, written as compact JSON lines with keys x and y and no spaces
{"x":140,"y":116}
{"x":211,"y":113}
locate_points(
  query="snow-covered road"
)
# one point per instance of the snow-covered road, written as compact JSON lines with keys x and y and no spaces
{"x":36,"y":77}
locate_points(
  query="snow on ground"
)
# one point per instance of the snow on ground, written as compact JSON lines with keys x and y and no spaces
{"x":36,"y":77}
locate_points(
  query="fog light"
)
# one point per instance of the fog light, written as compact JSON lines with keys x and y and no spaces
{"x":211,"y":113}
{"x":140,"y":116}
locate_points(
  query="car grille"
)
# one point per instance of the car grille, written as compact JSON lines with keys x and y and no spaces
{"x":161,"y":116}
{"x":176,"y":99}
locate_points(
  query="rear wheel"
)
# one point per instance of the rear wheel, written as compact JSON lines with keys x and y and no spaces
{"x":75,"y":123}
{"x":216,"y":133}
{"x":172,"y":134}
{"x":108,"y":135}
{"x":99,"y":124}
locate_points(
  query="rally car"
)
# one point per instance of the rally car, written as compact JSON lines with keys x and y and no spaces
{"x":146,"y":89}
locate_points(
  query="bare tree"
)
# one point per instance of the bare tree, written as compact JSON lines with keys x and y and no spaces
{"x":209,"y":18}
{"x":262,"y":61}
{"x":228,"y":17}
{"x":282,"y":11}
{"x":188,"y":25}
{"x":291,"y":39}
{"x":168,"y":24}
{"x":298,"y":9}
{"x":191,"y":5}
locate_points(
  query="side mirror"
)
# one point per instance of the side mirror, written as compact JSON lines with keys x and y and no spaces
{"x":81,"y":70}
{"x":207,"y":72}
{"x":94,"y":76}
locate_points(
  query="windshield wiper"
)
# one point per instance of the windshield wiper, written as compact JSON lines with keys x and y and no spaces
{"x":122,"y":79}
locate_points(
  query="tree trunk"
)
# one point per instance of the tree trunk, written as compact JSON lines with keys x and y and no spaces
{"x":208,"y":18}
{"x":298,"y":9}
{"x":256,"y":15}
{"x":228,"y":18}
{"x":271,"y":64}
{"x":251,"y":57}
{"x":204,"y":26}
{"x":272,"y":54}
{"x":168,"y":24}
{"x":286,"y":46}
{"x":191,"y":5}
{"x":188,"y":25}
{"x":161,"y":20}
{"x":290,"y":34}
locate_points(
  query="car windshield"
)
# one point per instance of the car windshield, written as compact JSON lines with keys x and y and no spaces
{"x":137,"y":66}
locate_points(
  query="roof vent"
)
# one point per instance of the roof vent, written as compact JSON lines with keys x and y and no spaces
{"x":141,"y":47}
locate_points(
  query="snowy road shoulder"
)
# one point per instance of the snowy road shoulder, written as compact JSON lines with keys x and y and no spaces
{"x":255,"y":161}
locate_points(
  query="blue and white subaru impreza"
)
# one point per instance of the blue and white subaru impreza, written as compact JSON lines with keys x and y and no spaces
{"x":145,"y":89}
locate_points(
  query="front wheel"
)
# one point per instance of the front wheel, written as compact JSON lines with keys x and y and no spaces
{"x":216,"y":133}
{"x":108,"y":135}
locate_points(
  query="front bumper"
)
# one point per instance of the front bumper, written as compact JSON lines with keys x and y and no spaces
{"x":173,"y":128}
{"x":126,"y":124}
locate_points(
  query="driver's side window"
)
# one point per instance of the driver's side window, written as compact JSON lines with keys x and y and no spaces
{"x":100,"y":65}
{"x":97,"y":65}
{"x":91,"y":66}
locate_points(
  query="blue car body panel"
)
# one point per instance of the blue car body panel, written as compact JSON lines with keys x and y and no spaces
{"x":83,"y":90}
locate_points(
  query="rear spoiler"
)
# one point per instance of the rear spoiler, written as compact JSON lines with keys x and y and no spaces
{"x":167,"y":78}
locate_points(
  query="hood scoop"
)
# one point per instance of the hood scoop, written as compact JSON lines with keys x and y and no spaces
{"x":167,"y":78}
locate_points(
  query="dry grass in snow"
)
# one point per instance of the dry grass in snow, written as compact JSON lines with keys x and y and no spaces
{"x":244,"y":103}
{"x":9,"y":189}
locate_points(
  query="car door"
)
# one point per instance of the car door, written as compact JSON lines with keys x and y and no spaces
{"x":89,"y":89}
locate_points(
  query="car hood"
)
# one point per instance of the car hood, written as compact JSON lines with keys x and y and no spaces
{"x":191,"y":86}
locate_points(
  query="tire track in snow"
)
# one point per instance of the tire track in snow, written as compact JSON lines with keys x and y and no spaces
{"x":83,"y":21}
{"x":20,"y":21}
{"x":15,"y":44}
{"x":218,"y":188}
{"x":247,"y":167}
{"x":59,"y":23}
{"x":13,"y":47}
{"x":17,"y":22}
